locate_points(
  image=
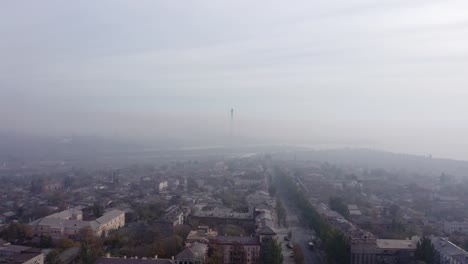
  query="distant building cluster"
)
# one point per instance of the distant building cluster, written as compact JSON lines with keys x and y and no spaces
{"x":367,"y":248}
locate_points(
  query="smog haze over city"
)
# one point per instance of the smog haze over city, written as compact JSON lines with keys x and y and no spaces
{"x":389,"y":75}
{"x":234,"y":132}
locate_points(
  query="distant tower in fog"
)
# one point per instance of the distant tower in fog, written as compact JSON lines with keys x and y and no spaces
{"x":232,"y":122}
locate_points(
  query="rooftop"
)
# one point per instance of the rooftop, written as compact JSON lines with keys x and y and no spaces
{"x":236,"y":240}
{"x":444,"y":246}
{"x":396,"y":244}
{"x":132,"y":261}
{"x":266,"y":230}
{"x":18,"y":258}
{"x":14,"y":248}
{"x":109,"y":216}
{"x":196,"y":250}
{"x":222,"y":212}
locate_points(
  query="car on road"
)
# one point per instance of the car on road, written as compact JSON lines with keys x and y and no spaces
{"x":286,"y":238}
{"x":289,"y":245}
{"x":311,"y":245}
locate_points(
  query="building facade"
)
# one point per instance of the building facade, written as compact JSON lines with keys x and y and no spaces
{"x":447,"y":252}
{"x":68,"y":223}
{"x":239,"y":250}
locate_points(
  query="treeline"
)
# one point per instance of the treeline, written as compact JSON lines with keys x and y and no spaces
{"x":334,"y":242}
{"x":338,"y":205}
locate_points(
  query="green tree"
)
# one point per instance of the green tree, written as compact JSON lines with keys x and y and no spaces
{"x":45,"y":242}
{"x":182,"y":230}
{"x":16,"y":231}
{"x":215,"y":254}
{"x":65,"y":243}
{"x":334,"y":242}
{"x":272,"y":252}
{"x":425,"y":250}
{"x":52,"y":257}
{"x":280,"y":212}
{"x":337,"y":204}
{"x":337,"y":247}
{"x":168,"y":247}
{"x":91,"y":246}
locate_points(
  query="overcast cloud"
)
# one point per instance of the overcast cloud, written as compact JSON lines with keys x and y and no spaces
{"x":388,"y":74}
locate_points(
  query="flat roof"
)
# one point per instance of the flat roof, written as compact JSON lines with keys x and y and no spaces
{"x":448,"y":248}
{"x":18,"y":258}
{"x":237,"y":240}
{"x":132,"y":261}
{"x":395,"y":244}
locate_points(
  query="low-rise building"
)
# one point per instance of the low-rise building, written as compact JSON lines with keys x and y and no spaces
{"x":134,"y":260}
{"x":194,"y":254}
{"x":447,"y":252}
{"x":13,"y":254}
{"x":239,"y":249}
{"x":363,"y":247}
{"x":68,"y":223}
{"x":396,"y":250}
{"x":162,"y":185}
{"x":451,"y":227}
{"x":216,"y":216}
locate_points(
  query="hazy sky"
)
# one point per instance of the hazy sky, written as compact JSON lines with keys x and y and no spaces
{"x":392,"y":74}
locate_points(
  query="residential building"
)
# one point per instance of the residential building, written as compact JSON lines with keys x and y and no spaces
{"x":448,"y":253}
{"x":194,"y":254}
{"x":396,"y":250}
{"x":13,"y":254}
{"x":135,"y":260}
{"x":239,"y":250}
{"x":216,"y":216}
{"x":363,"y":247}
{"x":162,"y":185}
{"x":173,"y":216}
{"x":456,"y":227}
{"x":68,"y":223}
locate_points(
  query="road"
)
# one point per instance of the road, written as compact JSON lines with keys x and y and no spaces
{"x":300,"y":235}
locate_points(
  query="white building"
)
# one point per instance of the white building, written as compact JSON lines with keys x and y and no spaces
{"x":162,"y":185}
{"x":456,"y":227}
{"x":448,"y":253}
{"x":68,"y":223}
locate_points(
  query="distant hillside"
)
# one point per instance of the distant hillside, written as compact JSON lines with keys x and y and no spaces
{"x":27,"y":147}
{"x":23,"y":147}
{"x":368,"y":158}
